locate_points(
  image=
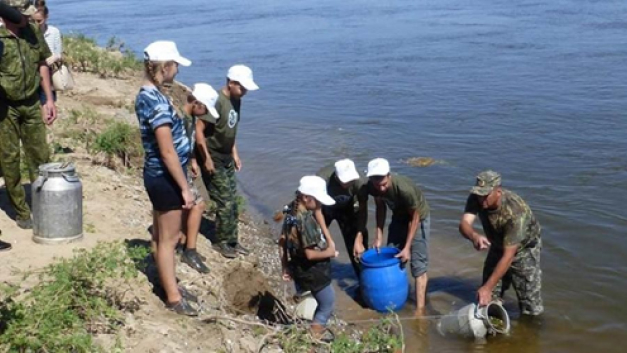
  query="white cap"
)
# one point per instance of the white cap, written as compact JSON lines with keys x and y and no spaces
{"x":208,"y":96}
{"x":243,"y":75}
{"x":345,"y":170}
{"x":378,"y":167}
{"x":164,"y":50}
{"x":316,"y":187}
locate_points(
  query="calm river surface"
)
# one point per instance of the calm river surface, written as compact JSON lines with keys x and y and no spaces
{"x":534,"y":89}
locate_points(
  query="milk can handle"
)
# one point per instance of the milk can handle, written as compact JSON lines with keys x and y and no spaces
{"x":71,"y":178}
{"x":478,"y":314}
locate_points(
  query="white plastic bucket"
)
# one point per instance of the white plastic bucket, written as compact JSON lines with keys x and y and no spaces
{"x":306,"y":308}
{"x":474,"y":322}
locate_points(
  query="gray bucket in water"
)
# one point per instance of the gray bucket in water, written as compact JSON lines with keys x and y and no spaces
{"x":474,"y":322}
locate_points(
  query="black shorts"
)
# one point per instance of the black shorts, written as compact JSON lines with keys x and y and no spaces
{"x":164,"y":192}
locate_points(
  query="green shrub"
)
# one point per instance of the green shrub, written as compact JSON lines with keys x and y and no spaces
{"x":83,"y":54}
{"x":120,"y":139}
{"x":74,"y":299}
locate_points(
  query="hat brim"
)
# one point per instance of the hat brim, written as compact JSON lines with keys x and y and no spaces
{"x":213,"y":112}
{"x":182,"y":61}
{"x":377,"y":173}
{"x":325,"y":199}
{"x":348,"y":177}
{"x":249,"y":85}
{"x":481,"y":190}
{"x":29,"y":11}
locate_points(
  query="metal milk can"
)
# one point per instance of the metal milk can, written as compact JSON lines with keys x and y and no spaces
{"x":57,"y":198}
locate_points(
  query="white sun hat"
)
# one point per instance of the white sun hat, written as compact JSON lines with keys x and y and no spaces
{"x":208,"y":96}
{"x":316,"y":187}
{"x":244,"y":75}
{"x":165,"y":50}
{"x":378,"y":167}
{"x":345,"y":170}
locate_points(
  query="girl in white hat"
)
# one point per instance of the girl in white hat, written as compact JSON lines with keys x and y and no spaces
{"x":306,"y":253}
{"x":167,"y":150}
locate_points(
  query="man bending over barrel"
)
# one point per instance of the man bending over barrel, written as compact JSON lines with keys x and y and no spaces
{"x":410,"y":226}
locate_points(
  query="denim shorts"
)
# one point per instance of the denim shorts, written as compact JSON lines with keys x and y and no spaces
{"x":164,"y":192}
{"x":397,"y":234}
{"x":42,"y":96}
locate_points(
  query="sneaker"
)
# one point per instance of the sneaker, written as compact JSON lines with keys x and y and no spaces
{"x":4,"y":246}
{"x":325,"y":336}
{"x":182,"y":307}
{"x":240,"y":249}
{"x":187,"y":294}
{"x":191,"y":258}
{"x":226,"y":250}
{"x":24,"y":223}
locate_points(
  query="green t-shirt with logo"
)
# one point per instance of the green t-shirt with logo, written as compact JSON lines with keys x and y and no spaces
{"x":402,"y":196}
{"x":512,"y":223}
{"x":220,"y":133}
{"x":19,"y":62}
{"x":345,"y":199}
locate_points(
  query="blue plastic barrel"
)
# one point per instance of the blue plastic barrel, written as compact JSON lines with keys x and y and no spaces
{"x":384,"y":284}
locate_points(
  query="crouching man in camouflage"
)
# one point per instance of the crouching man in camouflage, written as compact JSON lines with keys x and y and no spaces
{"x":512,"y":235}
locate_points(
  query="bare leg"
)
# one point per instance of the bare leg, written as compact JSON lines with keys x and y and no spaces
{"x":169,"y":224}
{"x":154,"y":235}
{"x":421,"y":292}
{"x":194,"y":217}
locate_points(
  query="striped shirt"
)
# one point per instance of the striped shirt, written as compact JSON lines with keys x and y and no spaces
{"x":153,"y":110}
{"x":53,"y":39}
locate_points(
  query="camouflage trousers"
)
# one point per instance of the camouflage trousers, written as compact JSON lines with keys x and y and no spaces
{"x":525,"y":275}
{"x":21,"y":122}
{"x":222,"y":189}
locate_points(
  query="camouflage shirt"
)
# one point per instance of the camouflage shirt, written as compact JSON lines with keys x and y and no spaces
{"x":512,"y":223}
{"x":19,"y":62}
{"x":301,"y":232}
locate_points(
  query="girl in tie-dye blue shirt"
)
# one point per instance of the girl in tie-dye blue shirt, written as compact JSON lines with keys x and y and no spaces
{"x":153,"y":109}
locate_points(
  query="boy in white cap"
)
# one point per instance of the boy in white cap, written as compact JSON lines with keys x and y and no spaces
{"x":410,"y":226}
{"x":200,"y":102}
{"x":350,"y":211}
{"x":220,"y":159}
{"x":306,"y":252}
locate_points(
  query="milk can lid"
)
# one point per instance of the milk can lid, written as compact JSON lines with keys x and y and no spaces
{"x":57,"y":167}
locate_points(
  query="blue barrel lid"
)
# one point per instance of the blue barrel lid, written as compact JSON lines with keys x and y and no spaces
{"x":382,"y":258}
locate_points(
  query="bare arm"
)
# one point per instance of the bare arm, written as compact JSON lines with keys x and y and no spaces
{"x":485,"y":292}
{"x":466,"y":229}
{"x":46,"y":85}
{"x":236,"y":159}
{"x":319,"y":216}
{"x":316,"y":255}
{"x":200,"y":139}
{"x":362,"y":221}
{"x":163,"y":134}
{"x":381,"y":210}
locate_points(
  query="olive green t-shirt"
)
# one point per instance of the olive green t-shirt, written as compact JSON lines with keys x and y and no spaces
{"x":19,"y":62}
{"x":220,"y":133}
{"x":344,"y":198}
{"x":512,"y":223}
{"x":402,"y":196}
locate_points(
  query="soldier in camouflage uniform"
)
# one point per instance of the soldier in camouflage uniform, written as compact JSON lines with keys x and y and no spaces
{"x":218,"y":152}
{"x":23,"y":68}
{"x":512,"y":235}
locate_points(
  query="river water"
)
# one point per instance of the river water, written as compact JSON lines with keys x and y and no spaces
{"x":534,"y":89}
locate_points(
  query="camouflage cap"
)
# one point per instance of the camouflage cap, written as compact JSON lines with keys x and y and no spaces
{"x":486,"y":182}
{"x":23,"y":6}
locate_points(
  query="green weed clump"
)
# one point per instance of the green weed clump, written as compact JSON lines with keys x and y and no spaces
{"x":83,"y":54}
{"x":384,"y":337}
{"x":120,"y":139}
{"x":74,"y":299}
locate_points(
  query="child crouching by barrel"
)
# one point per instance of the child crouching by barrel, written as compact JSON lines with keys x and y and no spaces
{"x":306,"y":253}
